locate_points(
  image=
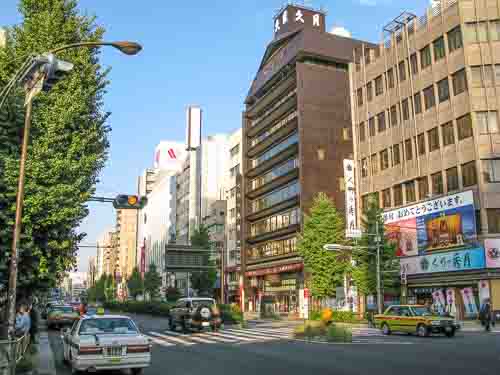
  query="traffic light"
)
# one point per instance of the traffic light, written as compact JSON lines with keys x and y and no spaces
{"x":54,"y":70}
{"x":129,"y":202}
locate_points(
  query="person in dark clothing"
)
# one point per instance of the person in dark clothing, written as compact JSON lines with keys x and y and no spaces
{"x":485,"y":315}
{"x":35,"y":321}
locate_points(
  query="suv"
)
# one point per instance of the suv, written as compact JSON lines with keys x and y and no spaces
{"x":196,"y":313}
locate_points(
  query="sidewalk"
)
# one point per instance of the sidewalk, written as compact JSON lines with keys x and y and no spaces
{"x":475,"y":326}
{"x":39,"y":359}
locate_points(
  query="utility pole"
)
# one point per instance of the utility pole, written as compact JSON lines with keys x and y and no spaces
{"x":380,"y":304}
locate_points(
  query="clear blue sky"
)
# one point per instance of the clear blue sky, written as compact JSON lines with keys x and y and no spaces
{"x":195,"y":52}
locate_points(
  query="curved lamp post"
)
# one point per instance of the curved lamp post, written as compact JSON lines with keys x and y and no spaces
{"x":126,"y":47}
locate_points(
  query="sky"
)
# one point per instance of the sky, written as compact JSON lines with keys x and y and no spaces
{"x":195,"y":52}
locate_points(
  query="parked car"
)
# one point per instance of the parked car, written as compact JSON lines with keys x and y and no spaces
{"x":198,"y":313}
{"x":414,"y":319}
{"x":61,"y":315}
{"x":106,"y":342}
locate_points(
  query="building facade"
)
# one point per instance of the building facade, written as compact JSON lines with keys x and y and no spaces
{"x":107,"y":259}
{"x":296,"y":133}
{"x":427,"y":146}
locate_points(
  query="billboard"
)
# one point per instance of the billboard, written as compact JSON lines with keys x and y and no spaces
{"x":492,"y":250}
{"x":169,"y":156}
{"x":193,"y":127}
{"x":447,"y":223}
{"x":350,"y":198}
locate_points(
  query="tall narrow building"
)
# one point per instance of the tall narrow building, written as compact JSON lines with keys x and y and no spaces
{"x":296,"y":133}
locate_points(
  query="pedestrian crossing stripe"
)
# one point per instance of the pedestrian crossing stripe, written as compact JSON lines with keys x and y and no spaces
{"x":281,"y":333}
{"x":262,"y":333}
{"x":173,"y":339}
{"x":160,"y":342}
{"x":255,"y":335}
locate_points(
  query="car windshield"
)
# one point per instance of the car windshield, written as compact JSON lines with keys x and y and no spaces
{"x":107,"y":326}
{"x":203,"y":302}
{"x":422,"y":311}
{"x":63,"y":309}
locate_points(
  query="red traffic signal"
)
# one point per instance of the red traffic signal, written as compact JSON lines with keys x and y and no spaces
{"x":129,"y":202}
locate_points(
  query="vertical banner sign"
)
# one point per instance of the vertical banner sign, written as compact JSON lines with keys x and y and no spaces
{"x":301,"y":303}
{"x":350,"y":198}
{"x":143,"y":259}
{"x":306,"y":304}
{"x":470,"y":306}
{"x":484,"y":291}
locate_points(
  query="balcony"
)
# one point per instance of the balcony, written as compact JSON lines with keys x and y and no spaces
{"x":273,"y":138}
{"x":274,"y":115}
{"x":278,"y":158}
{"x":274,"y":184}
{"x":282,"y":87}
{"x":277,"y":233}
{"x":281,"y":206}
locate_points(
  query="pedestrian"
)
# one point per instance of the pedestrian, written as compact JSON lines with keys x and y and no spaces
{"x":485,"y":315}
{"x":23,"y":324}
{"x":83,"y":308}
{"x":35,"y":320}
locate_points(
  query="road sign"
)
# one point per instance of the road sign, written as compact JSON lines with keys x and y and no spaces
{"x":353,"y":233}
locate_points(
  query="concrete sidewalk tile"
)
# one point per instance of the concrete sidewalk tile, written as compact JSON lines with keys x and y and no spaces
{"x":46,"y":356}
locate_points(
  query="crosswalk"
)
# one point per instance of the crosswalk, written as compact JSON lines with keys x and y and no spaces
{"x":227,"y":336}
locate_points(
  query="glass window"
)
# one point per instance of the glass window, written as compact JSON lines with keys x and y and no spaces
{"x":482,"y":31}
{"x":493,"y":220}
{"x":425,"y":57}
{"x":369,"y":91}
{"x":452,"y":178}
{"x":464,"y":126}
{"x":487,"y":122}
{"x":439,"y":50}
{"x":371,"y":126}
{"x":362,"y":132}
{"x":360,"y":96}
{"x":491,"y":170}
{"x":109,"y":325}
{"x":405,"y":109}
{"x":275,"y":197}
{"x":381,"y":122}
{"x":390,"y":78}
{"x":384,"y":159}
{"x":398,"y":195}
{"x":459,"y":82}
{"x":396,"y":157}
{"x":470,"y":32}
{"x":437,"y":183}
{"x":469,"y":175}
{"x":374,"y":164}
{"x":429,"y":98}
{"x":495,"y":30}
{"x":402,"y":71}
{"x":443,"y":90}
{"x":234,"y":151}
{"x":379,"y":86}
{"x":433,"y":136}
{"x":347,"y":134}
{"x":273,"y":174}
{"x":417,"y":102}
{"x":497,"y":74}
{"x":488,"y":77}
{"x":476,"y":76}
{"x":386,"y":198}
{"x":448,"y":134}
{"x":411,"y":196}
{"x":408,"y":149}
{"x":414,"y":64}
{"x":273,"y":151}
{"x":454,"y":39}
{"x":394,"y":115}
{"x":423,"y":187}
{"x":364,"y":167}
{"x":421,"y":144}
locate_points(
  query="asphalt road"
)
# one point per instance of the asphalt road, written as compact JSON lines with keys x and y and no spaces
{"x":268,"y":350}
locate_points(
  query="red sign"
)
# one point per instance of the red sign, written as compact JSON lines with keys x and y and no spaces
{"x":306,"y":293}
{"x":277,"y":269}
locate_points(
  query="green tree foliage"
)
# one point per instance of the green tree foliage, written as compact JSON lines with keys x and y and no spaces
{"x":135,"y":284}
{"x":324,"y":225}
{"x":109,"y":289}
{"x":201,"y":238}
{"x":68,"y":145}
{"x":152,"y":282}
{"x":203,"y":281}
{"x":364,"y":272}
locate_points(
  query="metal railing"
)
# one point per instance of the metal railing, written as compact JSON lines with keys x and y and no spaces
{"x":12,"y":351}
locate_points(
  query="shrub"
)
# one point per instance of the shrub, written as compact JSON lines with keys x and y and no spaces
{"x":315,"y":315}
{"x":339,"y":334}
{"x":140,"y":307}
{"x":344,"y":317}
{"x":327,"y":315}
{"x":310,"y":329}
{"x":231,"y":313}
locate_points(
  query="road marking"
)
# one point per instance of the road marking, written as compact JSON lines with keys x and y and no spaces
{"x":159,"y":342}
{"x":200,"y":339}
{"x":172,"y":339}
{"x":248,"y":333}
{"x":266,"y":333}
{"x":282,"y":333}
{"x":232,"y":336}
{"x":220,"y":339}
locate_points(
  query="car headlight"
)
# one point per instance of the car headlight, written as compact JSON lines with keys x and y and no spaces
{"x":436,"y":323}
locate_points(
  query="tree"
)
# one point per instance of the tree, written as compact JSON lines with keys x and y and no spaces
{"x":201,"y":238}
{"x":364,"y":273}
{"x":152,"y":282}
{"x":323,"y":226}
{"x":135,"y":284}
{"x":68,"y":145}
{"x":203,"y":281}
{"x":109,"y":288}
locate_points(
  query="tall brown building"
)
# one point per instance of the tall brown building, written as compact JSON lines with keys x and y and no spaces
{"x":427,"y":145}
{"x":296,"y":133}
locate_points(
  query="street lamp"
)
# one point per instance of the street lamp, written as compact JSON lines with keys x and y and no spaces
{"x":32,"y":72}
{"x":366,"y":249}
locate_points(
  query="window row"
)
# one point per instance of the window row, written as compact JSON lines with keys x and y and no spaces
{"x":273,"y":129}
{"x":275,"y":222}
{"x":427,"y":186}
{"x":271,"y":107}
{"x":437,"y":137}
{"x":235,"y":171}
{"x":482,"y":31}
{"x":273,"y":249}
{"x":400,"y":72}
{"x":235,"y":151}
{"x":274,"y":173}
{"x":276,"y":197}
{"x":275,"y":150}
{"x":421,"y":101}
{"x":485,"y":75}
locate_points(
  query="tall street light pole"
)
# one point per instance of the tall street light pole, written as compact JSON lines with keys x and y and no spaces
{"x":33,"y":72}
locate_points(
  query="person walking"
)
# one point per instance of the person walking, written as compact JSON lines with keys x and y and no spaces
{"x":485,"y":315}
{"x":35,"y":320}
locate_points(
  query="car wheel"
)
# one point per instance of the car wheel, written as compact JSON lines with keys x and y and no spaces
{"x":136,"y":371}
{"x":186,"y":327}
{"x":422,"y":330}
{"x":385,"y":329}
{"x":450,"y":334}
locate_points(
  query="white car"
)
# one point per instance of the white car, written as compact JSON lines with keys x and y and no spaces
{"x":106,"y":342}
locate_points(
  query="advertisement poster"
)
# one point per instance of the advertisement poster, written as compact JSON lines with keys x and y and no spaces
{"x":462,"y":260}
{"x":451,"y":307}
{"x":439,"y":300}
{"x":492,"y":250}
{"x":470,"y":306}
{"x":484,"y":291}
{"x":441,"y":224}
{"x":350,"y":197}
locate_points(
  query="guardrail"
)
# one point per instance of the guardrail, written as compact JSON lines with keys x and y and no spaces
{"x":12,"y":351}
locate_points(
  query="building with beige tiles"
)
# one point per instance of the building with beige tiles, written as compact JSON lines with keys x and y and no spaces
{"x":126,"y":231}
{"x":426,"y":127}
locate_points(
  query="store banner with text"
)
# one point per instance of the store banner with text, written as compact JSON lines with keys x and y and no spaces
{"x":492,"y":249}
{"x":462,"y":260}
{"x":437,"y":225}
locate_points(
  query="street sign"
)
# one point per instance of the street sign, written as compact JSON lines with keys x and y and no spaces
{"x":353,"y":233}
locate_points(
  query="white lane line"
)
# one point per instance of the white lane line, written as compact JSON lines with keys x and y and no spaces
{"x":172,"y":339}
{"x":255,"y":335}
{"x":219,"y":339}
{"x":233,"y":337}
{"x":273,"y":332}
{"x":200,"y":339}
{"x":159,"y":342}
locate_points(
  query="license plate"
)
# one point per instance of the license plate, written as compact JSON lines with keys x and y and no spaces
{"x":115,"y":360}
{"x":205,"y":324}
